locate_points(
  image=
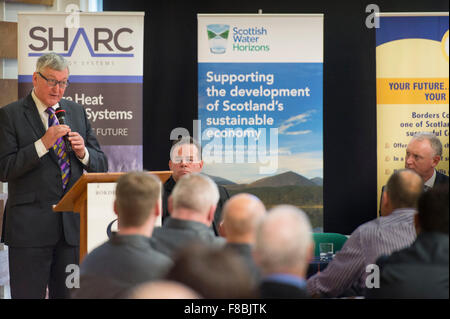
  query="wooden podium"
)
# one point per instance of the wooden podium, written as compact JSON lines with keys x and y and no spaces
{"x":75,"y":199}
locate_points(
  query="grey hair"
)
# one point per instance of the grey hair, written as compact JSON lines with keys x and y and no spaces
{"x":435,"y":142}
{"x":196,"y":192}
{"x":283,"y":239}
{"x":52,"y":61}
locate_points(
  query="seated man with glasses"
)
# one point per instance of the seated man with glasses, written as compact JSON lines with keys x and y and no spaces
{"x":185,"y":158}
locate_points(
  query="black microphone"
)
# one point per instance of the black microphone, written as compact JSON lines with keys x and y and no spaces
{"x":61,"y":116}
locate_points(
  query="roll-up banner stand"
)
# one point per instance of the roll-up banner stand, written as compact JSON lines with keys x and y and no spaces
{"x":105,"y":55}
{"x":412,"y":55}
{"x":260,"y":93}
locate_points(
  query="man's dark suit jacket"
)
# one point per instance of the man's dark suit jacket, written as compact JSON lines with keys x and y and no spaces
{"x":223,"y":197}
{"x":281,"y":290}
{"x":177,"y":233}
{"x":118,"y":265}
{"x":244,"y":251}
{"x":35,"y":184}
{"x":441,"y":179}
{"x":419,"y":271}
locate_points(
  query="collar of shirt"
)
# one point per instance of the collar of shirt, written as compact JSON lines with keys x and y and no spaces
{"x":287,"y":279}
{"x":41,"y":107}
{"x":430,"y":182}
{"x":400,"y":211}
{"x":130,"y":240}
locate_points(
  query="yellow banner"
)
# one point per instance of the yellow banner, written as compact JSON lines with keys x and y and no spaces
{"x":412,"y":91}
{"x":412,"y":88}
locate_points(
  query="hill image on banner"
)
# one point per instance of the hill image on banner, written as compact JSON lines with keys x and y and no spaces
{"x":287,"y":188}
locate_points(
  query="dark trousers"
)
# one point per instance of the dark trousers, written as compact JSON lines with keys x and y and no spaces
{"x":32,"y":269}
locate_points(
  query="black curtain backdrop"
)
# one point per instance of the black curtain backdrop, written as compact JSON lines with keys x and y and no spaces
{"x":350,"y":156}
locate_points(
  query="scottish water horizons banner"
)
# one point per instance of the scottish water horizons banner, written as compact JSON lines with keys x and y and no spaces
{"x":105,"y":54}
{"x":412,"y":58}
{"x":260,"y":106}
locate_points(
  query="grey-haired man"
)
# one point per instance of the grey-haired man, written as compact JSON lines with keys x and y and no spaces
{"x":39,"y":169}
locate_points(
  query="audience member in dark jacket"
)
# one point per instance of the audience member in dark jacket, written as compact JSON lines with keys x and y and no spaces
{"x":421,"y":270}
{"x":127,"y":258}
{"x":191,"y":206}
{"x":283,"y":249}
{"x":241,"y":215}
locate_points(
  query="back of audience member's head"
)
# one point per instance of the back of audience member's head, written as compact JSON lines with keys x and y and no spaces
{"x":196,"y":193}
{"x":137,"y":197}
{"x":241,"y":215}
{"x":213,"y":273}
{"x":162,"y":289}
{"x":284,"y":242}
{"x":404,"y":188}
{"x":433,"y":210}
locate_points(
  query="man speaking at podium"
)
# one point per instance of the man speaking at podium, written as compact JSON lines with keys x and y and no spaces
{"x":42,"y":154}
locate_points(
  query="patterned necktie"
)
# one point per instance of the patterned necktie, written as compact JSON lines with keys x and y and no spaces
{"x":60,"y":149}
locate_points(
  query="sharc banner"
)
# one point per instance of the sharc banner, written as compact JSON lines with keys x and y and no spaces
{"x":105,"y":54}
{"x":260,"y":106}
{"x":412,"y":61}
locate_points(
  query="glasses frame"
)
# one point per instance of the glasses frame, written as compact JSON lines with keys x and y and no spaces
{"x":53,"y":82}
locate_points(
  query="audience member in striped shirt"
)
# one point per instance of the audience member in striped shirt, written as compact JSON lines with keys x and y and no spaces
{"x":393,"y":231}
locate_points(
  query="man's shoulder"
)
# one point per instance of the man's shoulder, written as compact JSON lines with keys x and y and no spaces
{"x":441,"y":179}
{"x":177,"y":231}
{"x":96,"y":255}
{"x":14,"y":106}
{"x":71,"y":104}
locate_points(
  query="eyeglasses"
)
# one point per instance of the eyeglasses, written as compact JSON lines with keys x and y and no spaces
{"x":186,"y":160}
{"x":53,"y":82}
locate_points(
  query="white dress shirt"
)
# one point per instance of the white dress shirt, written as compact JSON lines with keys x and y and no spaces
{"x":430,"y":182}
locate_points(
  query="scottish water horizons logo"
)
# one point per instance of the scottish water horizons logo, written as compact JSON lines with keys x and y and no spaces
{"x":218,"y":37}
{"x":44,"y":40}
{"x":243,"y":39}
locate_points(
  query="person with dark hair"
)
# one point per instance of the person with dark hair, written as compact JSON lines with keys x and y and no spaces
{"x":127,"y":258}
{"x":192,"y":205}
{"x":41,"y":158}
{"x":185,"y":158}
{"x":346,"y":273}
{"x":433,"y":211}
{"x":213,"y":273}
{"x":421,"y":270}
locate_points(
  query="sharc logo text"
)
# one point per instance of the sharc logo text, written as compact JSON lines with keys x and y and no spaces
{"x":44,"y":39}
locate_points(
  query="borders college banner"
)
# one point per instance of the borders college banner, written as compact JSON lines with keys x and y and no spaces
{"x":260,"y":106}
{"x":412,"y":58}
{"x":105,"y":54}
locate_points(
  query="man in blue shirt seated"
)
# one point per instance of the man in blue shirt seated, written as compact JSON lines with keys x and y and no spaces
{"x":283,"y":249}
